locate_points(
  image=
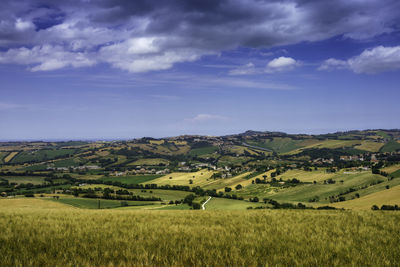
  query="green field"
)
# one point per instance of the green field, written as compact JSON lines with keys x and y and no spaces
{"x":149,"y":162}
{"x":165,"y":195}
{"x":41,"y":155}
{"x":389,"y":196}
{"x":88,"y":203}
{"x":199,"y":178}
{"x":391,"y":146}
{"x":131,"y":179}
{"x":45,"y":233}
{"x":24,"y":179}
{"x":203,"y":150}
{"x":229,"y":204}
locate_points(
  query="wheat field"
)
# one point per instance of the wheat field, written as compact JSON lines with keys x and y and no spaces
{"x":43,"y":233}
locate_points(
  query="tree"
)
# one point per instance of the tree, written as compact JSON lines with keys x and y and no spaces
{"x":228,"y":189}
{"x":238,"y":187}
{"x":190,"y":181}
{"x":196,"y":206}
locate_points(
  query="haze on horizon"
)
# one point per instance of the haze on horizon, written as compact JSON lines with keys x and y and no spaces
{"x":115,"y":69}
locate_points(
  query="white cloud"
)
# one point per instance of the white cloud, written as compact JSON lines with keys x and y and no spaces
{"x":375,"y":60}
{"x":44,"y":58}
{"x":140,"y":36}
{"x":22,"y":25}
{"x":145,"y":54}
{"x":244,"y":70}
{"x":281,"y":64}
{"x":206,"y":118}
{"x":332,"y":63}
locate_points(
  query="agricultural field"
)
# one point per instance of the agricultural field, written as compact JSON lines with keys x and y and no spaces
{"x":307,"y":176}
{"x":48,"y":233}
{"x":369,"y":146}
{"x":24,"y":179}
{"x":230,"y":204}
{"x":203,"y":150}
{"x":391,"y":146}
{"x":221,"y":183}
{"x":41,"y":155}
{"x":85,"y":203}
{"x":303,"y":193}
{"x":132,"y":179}
{"x":165,"y":195}
{"x":10,"y":156}
{"x":391,"y":169}
{"x":149,"y":162}
{"x":389,"y":196}
{"x":199,"y":178}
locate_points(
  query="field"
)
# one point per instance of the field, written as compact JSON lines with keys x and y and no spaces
{"x":46,"y":233}
{"x":132,"y":179}
{"x":24,"y":179}
{"x":10,"y":156}
{"x":391,"y":146}
{"x":229,"y":204}
{"x":391,"y":169}
{"x":306,"y":176}
{"x":390,"y":196}
{"x":220,"y":184}
{"x":37,"y":156}
{"x":203,"y":150}
{"x":303,"y":193}
{"x":149,"y":161}
{"x":86,"y":203}
{"x":165,"y":195}
{"x":199,"y":178}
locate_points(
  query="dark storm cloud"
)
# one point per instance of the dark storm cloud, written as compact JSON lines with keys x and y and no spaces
{"x":145,"y":35}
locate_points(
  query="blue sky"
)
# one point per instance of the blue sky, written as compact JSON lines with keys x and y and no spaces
{"x":113,"y":69}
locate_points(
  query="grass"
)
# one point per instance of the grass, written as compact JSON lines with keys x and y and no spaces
{"x":203,"y":150}
{"x":369,"y":146}
{"x":390,"y":146}
{"x":220,"y":184}
{"x":389,"y":196}
{"x":46,"y":233}
{"x":391,"y":169}
{"x":303,"y":193}
{"x":229,"y":204}
{"x":161,"y":193}
{"x":24,"y":179}
{"x":88,"y":203}
{"x":150,"y":162}
{"x":67,"y":163}
{"x":201,"y":178}
{"x":306,"y":176}
{"x":41,"y":155}
{"x":132,"y":179}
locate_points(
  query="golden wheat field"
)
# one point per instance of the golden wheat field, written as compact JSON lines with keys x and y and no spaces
{"x":43,"y":233}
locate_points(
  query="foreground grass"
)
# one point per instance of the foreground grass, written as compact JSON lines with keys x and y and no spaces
{"x":44,"y":233}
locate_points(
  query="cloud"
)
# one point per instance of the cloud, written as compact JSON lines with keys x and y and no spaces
{"x":206,"y":118}
{"x":44,"y":58}
{"x":144,"y":35}
{"x":244,"y":70}
{"x":375,"y":60}
{"x":281,"y":64}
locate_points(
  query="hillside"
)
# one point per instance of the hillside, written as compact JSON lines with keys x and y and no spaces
{"x":252,"y":167}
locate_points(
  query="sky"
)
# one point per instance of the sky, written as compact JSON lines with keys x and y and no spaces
{"x":115,"y":69}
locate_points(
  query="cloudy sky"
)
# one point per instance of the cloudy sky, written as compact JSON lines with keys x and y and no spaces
{"x":106,"y":69}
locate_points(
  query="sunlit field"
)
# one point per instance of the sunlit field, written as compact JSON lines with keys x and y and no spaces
{"x":44,"y":233}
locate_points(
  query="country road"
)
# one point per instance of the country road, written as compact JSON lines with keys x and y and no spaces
{"x":204,"y":204}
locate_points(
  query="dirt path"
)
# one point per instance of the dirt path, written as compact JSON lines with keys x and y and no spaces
{"x":204,"y":204}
